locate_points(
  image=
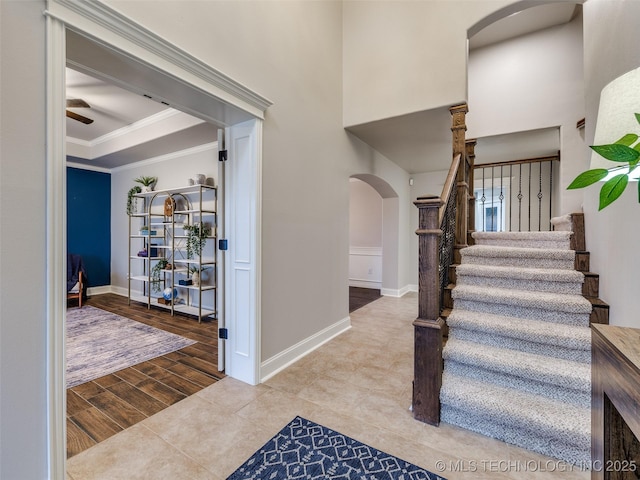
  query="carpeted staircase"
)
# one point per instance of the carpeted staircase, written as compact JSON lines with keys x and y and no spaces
{"x":517,"y":360}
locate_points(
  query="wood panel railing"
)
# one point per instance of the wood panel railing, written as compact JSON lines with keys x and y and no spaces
{"x":442,"y":232}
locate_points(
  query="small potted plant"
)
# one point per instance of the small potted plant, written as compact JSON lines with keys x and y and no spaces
{"x":131,"y":200}
{"x":197,"y":235}
{"x":196,"y":274}
{"x":156,"y":270}
{"x":148,"y":183}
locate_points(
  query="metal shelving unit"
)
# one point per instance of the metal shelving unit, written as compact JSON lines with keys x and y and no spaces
{"x":192,"y":205}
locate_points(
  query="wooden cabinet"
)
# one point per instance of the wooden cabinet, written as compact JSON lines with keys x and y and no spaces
{"x":173,"y":250}
{"x":615,"y":417}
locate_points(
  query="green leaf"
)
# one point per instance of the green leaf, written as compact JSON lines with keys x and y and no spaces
{"x":616,"y":152}
{"x":637,"y":118}
{"x":588,"y":178}
{"x":612,"y":189}
{"x":628,"y":140}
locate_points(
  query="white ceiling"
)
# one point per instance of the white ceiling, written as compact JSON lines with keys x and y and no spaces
{"x":129,"y":127}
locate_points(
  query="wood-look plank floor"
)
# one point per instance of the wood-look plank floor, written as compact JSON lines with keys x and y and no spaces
{"x":101,"y":408}
{"x":359,"y":297}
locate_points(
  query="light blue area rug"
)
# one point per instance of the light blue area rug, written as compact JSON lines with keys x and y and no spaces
{"x":100,"y":343}
{"x":307,"y":451}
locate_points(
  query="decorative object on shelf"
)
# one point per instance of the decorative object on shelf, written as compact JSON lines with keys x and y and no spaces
{"x":200,"y":179}
{"x":144,"y":230}
{"x":190,"y":181}
{"x":196,"y":274}
{"x":185,"y":282}
{"x":148,"y":183}
{"x":155,"y":273}
{"x":196,"y":238}
{"x":169,"y":206}
{"x":169,"y":294}
{"x":143,"y":253}
{"x":131,"y":200}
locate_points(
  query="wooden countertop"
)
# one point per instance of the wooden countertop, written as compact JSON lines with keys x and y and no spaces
{"x":624,"y":339}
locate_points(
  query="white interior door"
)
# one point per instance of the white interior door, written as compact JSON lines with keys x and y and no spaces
{"x":242,"y":262}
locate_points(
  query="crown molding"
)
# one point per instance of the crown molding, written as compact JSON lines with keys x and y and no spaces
{"x":115,"y":22}
{"x":168,"y":156}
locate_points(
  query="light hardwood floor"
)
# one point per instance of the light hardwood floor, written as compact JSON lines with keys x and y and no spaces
{"x":359,"y":383}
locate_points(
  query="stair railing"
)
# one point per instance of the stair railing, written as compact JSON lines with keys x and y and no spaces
{"x":442,"y":231}
{"x":516,"y":196}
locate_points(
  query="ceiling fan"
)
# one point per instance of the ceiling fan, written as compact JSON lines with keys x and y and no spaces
{"x":78,"y":103}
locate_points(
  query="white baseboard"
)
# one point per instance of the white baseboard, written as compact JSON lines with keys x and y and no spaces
{"x":282,"y":360}
{"x":389,"y":292}
{"x":122,"y":291}
{"x":100,"y":290}
{"x":364,"y":284}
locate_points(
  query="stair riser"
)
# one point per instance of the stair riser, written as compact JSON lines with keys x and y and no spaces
{"x":521,"y":345}
{"x":600,"y":314}
{"x":577,"y":319}
{"x":518,"y":299}
{"x":591,"y":285}
{"x":582,"y":261}
{"x":519,"y":262}
{"x":559,"y":245}
{"x":520,"y":284}
{"x":552,"y":446}
{"x":524,"y":370}
{"x":578,"y":398}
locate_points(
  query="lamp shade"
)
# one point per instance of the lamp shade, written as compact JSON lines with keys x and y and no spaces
{"x":619,"y":102}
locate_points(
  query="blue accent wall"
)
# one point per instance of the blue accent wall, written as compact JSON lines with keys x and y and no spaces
{"x":89,"y":222}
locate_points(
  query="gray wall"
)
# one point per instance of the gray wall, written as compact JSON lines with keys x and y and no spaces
{"x":23,"y":327}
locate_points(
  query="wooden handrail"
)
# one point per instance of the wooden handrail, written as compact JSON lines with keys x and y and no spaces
{"x":448,"y":186}
{"x":548,"y":158}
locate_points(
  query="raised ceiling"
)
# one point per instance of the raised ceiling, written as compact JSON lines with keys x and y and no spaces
{"x":129,"y":127}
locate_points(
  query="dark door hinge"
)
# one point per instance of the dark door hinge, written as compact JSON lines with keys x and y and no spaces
{"x":222,"y":156}
{"x":223,"y":333}
{"x":223,"y":244}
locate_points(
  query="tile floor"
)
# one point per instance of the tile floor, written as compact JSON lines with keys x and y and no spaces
{"x":359,"y":384}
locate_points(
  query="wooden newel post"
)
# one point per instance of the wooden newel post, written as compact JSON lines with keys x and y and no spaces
{"x":427,"y":378}
{"x":471,"y":160}
{"x":458,"y":129}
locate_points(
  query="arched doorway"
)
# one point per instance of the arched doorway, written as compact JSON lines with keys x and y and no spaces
{"x":374,"y":229}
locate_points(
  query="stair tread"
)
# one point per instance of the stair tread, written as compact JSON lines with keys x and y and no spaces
{"x":555,"y":371}
{"x":521,"y":252}
{"x":546,"y":235}
{"x":548,"y":274}
{"x":569,"y":303}
{"x":527,"y":411}
{"x":569,"y":336}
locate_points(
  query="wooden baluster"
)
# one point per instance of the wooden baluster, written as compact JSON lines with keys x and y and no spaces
{"x":428,"y":326}
{"x":471,"y":159}
{"x":458,"y":129}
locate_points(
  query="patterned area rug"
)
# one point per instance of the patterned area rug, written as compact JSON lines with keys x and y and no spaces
{"x":100,"y":343}
{"x":306,"y":450}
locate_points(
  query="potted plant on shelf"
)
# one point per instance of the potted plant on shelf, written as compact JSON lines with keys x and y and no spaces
{"x":131,"y":201}
{"x":156,"y":270}
{"x":197,"y":235}
{"x":196,"y":272}
{"x":147,"y":182}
